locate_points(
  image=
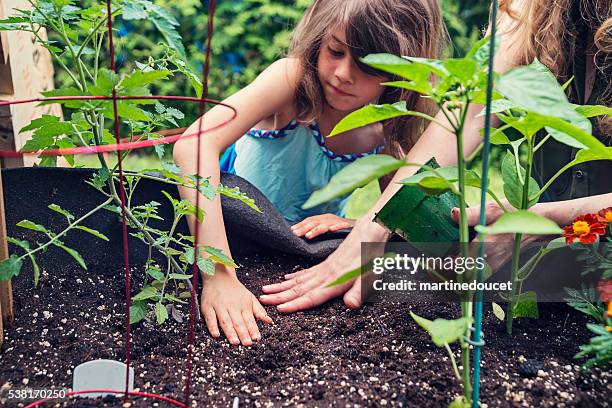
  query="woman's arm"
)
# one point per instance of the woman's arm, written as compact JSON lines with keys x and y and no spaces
{"x":270,"y":93}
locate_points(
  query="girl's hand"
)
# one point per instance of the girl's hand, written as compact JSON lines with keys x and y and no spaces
{"x":320,"y":224}
{"x":228,"y":303}
{"x":308,"y":288}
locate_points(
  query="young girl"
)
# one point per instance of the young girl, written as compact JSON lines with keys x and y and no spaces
{"x":574,"y":39}
{"x":283,"y":117}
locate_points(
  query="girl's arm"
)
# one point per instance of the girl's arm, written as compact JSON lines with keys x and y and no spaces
{"x":224,"y":299}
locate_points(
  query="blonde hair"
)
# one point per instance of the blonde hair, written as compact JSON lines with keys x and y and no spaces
{"x":544,"y":29}
{"x":400,"y":27}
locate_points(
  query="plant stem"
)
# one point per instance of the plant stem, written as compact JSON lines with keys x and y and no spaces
{"x":65,"y":231}
{"x":453,"y":362}
{"x":516,"y":249}
{"x":464,"y":236}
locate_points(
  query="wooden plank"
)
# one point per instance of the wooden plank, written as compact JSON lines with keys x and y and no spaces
{"x":26,"y":70}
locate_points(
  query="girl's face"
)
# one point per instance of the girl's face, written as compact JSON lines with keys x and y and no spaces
{"x":345,"y":86}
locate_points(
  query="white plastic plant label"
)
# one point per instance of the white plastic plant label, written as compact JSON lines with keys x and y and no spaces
{"x":101,"y":375}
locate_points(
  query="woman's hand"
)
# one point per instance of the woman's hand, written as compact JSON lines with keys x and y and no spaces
{"x":320,"y":224}
{"x":228,"y":303}
{"x":307,"y":288}
{"x":499,"y":247}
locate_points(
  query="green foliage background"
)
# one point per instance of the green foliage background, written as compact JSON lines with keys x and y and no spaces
{"x":249,"y":35}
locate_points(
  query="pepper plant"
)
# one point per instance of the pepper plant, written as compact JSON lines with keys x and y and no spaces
{"x":454,"y":85}
{"x":533,"y":103}
{"x":83,"y":34}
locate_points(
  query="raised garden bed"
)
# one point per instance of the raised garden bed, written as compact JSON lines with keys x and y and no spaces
{"x":324,"y":357}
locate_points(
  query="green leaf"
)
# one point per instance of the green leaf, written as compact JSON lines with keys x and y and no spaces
{"x":206,"y":265}
{"x":134,"y":11}
{"x":434,"y":185}
{"x":32,"y":226}
{"x":10,"y":267}
{"x":513,"y":188}
{"x":163,"y":21}
{"x":535,"y":89}
{"x":418,"y":74}
{"x":498,"y":311}
{"x":462,"y":69}
{"x":590,"y":111}
{"x":580,"y":136}
{"x":370,"y":114}
{"x":179,"y":276}
{"x":73,"y":253}
{"x":161,"y":313}
{"x":173,"y":298}
{"x":60,"y":210}
{"x":480,"y":52}
{"x":37,"y":123}
{"x":154,"y":272}
{"x":216,"y":255}
{"x":460,"y":402}
{"x":138,"y":311}
{"x":357,"y":174}
{"x":444,"y":331}
{"x":35,"y":268}
{"x":92,"y":232}
{"x":498,"y":137}
{"x":434,"y":66}
{"x":105,"y":83}
{"x":15,"y":24}
{"x":25,"y":245}
{"x":521,"y":222}
{"x":139,"y":78}
{"x":147,"y":293}
{"x":527,"y":305}
{"x":235,"y":193}
{"x":127,"y":111}
{"x":420,"y":87}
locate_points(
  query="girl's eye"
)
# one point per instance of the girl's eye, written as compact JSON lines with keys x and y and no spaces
{"x":335,"y":53}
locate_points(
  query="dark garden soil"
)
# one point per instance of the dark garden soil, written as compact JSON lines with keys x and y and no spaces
{"x":329,"y":356}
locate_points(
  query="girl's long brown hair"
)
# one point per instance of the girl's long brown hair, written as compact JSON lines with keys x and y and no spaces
{"x":401,"y":27}
{"x":545,"y":29}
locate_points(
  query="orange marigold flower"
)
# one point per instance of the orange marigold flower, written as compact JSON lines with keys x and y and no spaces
{"x":585,"y":228}
{"x":605,"y":215}
{"x":605,"y":292}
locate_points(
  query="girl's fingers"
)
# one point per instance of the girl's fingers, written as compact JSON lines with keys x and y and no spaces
{"x":241,"y":327}
{"x":228,"y":327}
{"x":251,"y":324}
{"x":340,"y":226}
{"x":211,"y":321}
{"x":352,"y":298}
{"x":312,"y":298}
{"x":300,"y":231}
{"x":292,"y":293}
{"x":282,"y":286}
{"x":316,"y":231}
{"x":260,"y":312}
{"x":298,"y":273}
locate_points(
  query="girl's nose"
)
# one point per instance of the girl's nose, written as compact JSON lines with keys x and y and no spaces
{"x":344,"y":70}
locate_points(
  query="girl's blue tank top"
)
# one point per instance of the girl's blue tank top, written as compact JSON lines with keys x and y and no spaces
{"x":287,"y":165}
